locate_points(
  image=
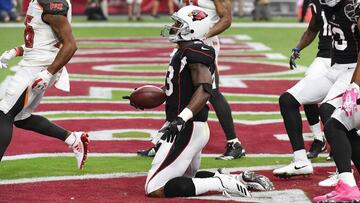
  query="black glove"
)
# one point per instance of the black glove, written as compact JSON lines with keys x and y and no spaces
{"x":294,"y":55}
{"x":132,"y":103}
{"x":172,"y":130}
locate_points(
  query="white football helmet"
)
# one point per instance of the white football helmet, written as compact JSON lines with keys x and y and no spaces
{"x":352,"y":11}
{"x":330,"y":3}
{"x":191,"y":23}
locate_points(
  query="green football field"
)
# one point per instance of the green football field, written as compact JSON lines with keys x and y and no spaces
{"x":280,"y":40}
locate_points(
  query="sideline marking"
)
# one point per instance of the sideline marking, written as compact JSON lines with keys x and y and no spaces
{"x":160,"y":25}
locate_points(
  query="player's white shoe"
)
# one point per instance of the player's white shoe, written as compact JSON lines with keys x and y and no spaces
{"x":299,"y":168}
{"x":80,"y":148}
{"x":331,"y":181}
{"x":231,"y":186}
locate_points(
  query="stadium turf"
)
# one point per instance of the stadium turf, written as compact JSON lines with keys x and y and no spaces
{"x":280,"y":40}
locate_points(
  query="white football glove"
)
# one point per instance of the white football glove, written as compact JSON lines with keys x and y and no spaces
{"x":6,"y":57}
{"x":41,"y":81}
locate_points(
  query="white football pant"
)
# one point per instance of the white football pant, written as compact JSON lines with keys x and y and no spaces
{"x":181,"y":158}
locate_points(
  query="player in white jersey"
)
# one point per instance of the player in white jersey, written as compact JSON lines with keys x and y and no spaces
{"x":49,"y":45}
{"x":219,"y":12}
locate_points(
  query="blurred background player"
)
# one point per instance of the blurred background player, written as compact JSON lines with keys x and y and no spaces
{"x":156,"y":4}
{"x":8,"y":11}
{"x":134,"y":8}
{"x":220,"y":12}
{"x":261,"y":10}
{"x":49,"y":45}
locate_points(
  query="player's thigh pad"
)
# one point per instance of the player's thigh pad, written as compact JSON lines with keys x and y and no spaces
{"x":319,"y":66}
{"x":173,"y":160}
{"x":350,"y":122}
{"x":16,"y":86}
{"x":311,"y":89}
{"x":333,"y":97}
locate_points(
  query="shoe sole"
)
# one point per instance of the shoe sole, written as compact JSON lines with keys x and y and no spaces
{"x":144,"y":155}
{"x":85,"y":141}
{"x":229,"y":157}
{"x":288,"y":176}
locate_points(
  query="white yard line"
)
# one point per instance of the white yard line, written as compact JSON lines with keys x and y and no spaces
{"x":159,"y":25}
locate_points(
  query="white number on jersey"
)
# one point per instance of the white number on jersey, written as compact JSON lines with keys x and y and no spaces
{"x":326,"y":26}
{"x":170,"y":87}
{"x":341,"y":43}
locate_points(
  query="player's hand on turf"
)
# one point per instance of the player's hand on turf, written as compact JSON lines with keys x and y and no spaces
{"x":172,"y":130}
{"x":6,"y":57}
{"x":41,"y":81}
{"x":349,"y":99}
{"x":132,"y":103}
{"x":294,"y":55}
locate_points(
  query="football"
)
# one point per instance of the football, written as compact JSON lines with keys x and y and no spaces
{"x":148,"y":96}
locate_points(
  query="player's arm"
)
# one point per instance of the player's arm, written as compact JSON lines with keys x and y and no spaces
{"x":223,"y":9}
{"x":201,"y":78}
{"x":62,"y":28}
{"x":10,"y":54}
{"x":309,"y":35}
{"x":306,"y":39}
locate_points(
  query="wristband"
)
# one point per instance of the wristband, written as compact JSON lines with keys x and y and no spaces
{"x":186,"y":114}
{"x":296,"y":49}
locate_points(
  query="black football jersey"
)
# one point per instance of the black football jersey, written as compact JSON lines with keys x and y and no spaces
{"x":179,"y":85}
{"x":324,"y":45}
{"x":346,"y":38}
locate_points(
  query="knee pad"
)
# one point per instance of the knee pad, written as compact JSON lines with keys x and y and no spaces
{"x":179,"y":187}
{"x":286,"y":100}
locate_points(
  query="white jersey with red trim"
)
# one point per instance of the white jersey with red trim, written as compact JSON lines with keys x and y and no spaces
{"x":41,"y":43}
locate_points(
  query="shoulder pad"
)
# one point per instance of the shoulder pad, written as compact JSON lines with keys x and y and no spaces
{"x":54,"y":7}
{"x":200,"y":53}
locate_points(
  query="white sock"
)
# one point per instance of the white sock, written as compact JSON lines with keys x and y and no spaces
{"x":234,"y":140}
{"x":348,"y":178}
{"x":316,"y":131}
{"x":204,"y":185}
{"x":71,"y":139}
{"x":300,"y":155}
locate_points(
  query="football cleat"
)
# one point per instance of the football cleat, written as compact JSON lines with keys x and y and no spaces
{"x":342,"y":193}
{"x":80,"y":148}
{"x":234,"y":150}
{"x":255,"y":181}
{"x":232,"y":186}
{"x":151,"y":152}
{"x":331,"y":181}
{"x":294,"y":169}
{"x":316,"y":148}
